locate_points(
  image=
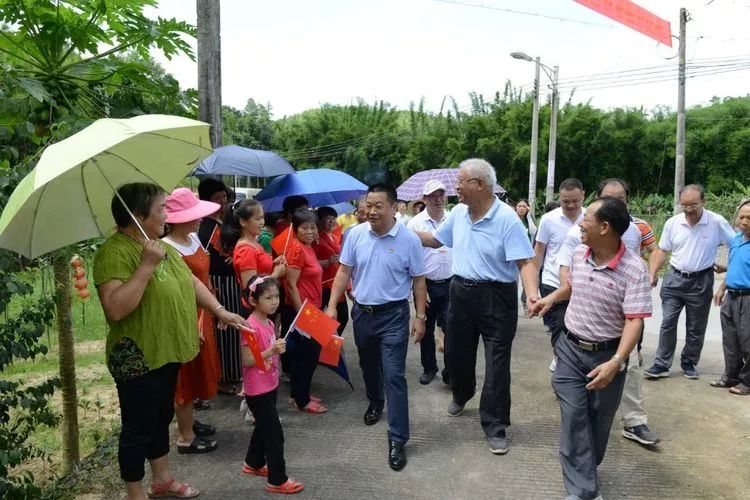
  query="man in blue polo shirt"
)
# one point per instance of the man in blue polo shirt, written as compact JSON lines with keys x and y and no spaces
{"x":385,"y":261}
{"x":490,"y":246}
{"x":735,"y":320}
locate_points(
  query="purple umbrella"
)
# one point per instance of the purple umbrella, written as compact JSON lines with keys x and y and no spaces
{"x":412,"y":188}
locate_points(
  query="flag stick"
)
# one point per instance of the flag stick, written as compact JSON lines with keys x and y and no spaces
{"x":295,"y":320}
{"x":288,"y":236}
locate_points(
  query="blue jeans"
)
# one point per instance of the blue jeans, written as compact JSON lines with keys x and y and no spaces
{"x":382,"y":340}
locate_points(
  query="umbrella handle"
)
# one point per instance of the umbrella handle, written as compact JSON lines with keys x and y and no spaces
{"x":140,"y":228}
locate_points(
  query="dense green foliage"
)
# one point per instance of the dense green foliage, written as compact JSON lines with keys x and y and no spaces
{"x":378,"y":141}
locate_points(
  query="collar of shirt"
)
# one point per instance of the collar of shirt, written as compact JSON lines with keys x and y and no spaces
{"x":424,"y":216}
{"x":393,"y":232}
{"x":490,"y":213}
{"x":612,"y":264}
{"x":565,"y":217}
{"x":703,"y":220}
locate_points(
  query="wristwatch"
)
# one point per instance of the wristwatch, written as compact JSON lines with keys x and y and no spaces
{"x":422,"y":317}
{"x":621,"y":361}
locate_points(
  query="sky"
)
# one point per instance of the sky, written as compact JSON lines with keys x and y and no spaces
{"x":298,"y":54}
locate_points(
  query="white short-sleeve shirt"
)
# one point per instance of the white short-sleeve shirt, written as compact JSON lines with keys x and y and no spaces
{"x":694,"y":248}
{"x":437,"y":261}
{"x":552,"y":230}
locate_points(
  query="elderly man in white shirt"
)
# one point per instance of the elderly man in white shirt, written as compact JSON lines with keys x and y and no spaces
{"x":553,"y":227}
{"x":692,"y":237}
{"x":438,"y":274}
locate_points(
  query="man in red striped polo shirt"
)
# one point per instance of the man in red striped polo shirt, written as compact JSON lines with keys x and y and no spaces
{"x":610,"y":294}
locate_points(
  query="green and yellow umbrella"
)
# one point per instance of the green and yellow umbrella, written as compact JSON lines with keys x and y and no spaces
{"x":68,"y":195}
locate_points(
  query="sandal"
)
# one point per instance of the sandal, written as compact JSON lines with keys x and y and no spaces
{"x":722,"y":383}
{"x":261,"y":472}
{"x":164,"y":490}
{"x":203,"y":430}
{"x":292,"y":402}
{"x":201,"y":404}
{"x":313,"y":407}
{"x":229,"y":389}
{"x":290,"y":487}
{"x":198,"y":445}
{"x":740,"y":390}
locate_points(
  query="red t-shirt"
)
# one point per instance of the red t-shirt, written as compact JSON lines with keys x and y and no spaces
{"x":302,"y":257}
{"x":246,"y":257}
{"x":327,"y":246}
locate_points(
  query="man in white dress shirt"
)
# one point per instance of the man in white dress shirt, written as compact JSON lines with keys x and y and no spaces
{"x":550,"y":236}
{"x":437,"y":262}
{"x":692,"y":237}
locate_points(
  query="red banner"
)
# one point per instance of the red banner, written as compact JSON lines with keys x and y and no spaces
{"x":633,"y":16}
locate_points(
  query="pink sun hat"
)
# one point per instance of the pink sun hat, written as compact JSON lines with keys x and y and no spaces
{"x":183,"y":206}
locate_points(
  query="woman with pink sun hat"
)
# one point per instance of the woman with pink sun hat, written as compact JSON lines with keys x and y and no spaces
{"x":199,"y":378}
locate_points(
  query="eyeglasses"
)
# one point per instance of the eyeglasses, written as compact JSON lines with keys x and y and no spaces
{"x":461,"y":181}
{"x":690,"y":207}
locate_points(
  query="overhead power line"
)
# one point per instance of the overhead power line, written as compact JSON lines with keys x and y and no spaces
{"x":522,"y":13}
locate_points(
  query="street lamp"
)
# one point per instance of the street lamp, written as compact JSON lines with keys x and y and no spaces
{"x":552,"y":74}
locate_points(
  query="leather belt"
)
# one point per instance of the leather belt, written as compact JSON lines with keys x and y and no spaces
{"x":438,"y":282}
{"x":735,"y":292}
{"x":607,"y":345}
{"x":378,"y":308}
{"x":470,"y":282}
{"x":693,"y":274}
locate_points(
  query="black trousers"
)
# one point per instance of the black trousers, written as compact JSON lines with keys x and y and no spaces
{"x":436,"y":316}
{"x":555,"y":316}
{"x":303,"y":356}
{"x":489,"y":311}
{"x":342,"y":310}
{"x":267,"y":441}
{"x":146,"y":410}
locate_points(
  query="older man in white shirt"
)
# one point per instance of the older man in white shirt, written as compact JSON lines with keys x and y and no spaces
{"x":692,"y":237}
{"x":438,"y":274}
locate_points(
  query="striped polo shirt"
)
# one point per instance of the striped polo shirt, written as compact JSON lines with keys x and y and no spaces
{"x":604,"y":296}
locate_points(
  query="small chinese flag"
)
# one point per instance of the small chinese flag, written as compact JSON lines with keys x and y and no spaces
{"x":281,"y":242}
{"x":312,"y":322}
{"x":249,"y":335}
{"x":331,"y":353}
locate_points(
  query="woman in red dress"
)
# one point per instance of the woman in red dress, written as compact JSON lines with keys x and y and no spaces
{"x":199,"y":378}
{"x":328,"y":249}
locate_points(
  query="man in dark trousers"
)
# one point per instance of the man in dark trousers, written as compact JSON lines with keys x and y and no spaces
{"x":490,"y":246}
{"x":610,"y":294}
{"x":384,"y":260}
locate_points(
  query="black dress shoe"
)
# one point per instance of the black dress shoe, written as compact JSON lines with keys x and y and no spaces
{"x":373,"y":413}
{"x":396,"y":455}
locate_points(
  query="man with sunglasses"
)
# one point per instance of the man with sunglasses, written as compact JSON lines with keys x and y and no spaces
{"x":692,"y":237}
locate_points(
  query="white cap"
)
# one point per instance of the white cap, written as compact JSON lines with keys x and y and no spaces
{"x":431,"y":186}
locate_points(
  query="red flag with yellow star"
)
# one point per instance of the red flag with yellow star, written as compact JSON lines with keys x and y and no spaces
{"x":312,"y":322}
{"x":249,"y":336}
{"x":331,"y":353}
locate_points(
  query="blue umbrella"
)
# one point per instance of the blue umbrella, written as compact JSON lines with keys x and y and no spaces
{"x":321,"y":186}
{"x":236,"y":160}
{"x":343,"y":208}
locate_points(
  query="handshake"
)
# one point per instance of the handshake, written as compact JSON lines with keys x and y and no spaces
{"x":537,"y":306}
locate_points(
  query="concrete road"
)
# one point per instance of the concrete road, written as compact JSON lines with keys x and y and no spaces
{"x":704,"y":452}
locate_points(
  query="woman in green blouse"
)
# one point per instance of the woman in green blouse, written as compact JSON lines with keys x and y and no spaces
{"x":149,"y":298}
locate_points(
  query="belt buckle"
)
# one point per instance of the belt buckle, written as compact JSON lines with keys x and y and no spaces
{"x":586,"y":346}
{"x":470,"y":282}
{"x":367,"y":309}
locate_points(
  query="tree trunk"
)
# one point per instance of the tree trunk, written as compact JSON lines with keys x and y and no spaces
{"x":209,"y":67}
{"x":71,"y":453}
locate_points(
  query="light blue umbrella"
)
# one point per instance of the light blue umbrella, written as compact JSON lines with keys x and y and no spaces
{"x":236,"y":160}
{"x":321,"y":186}
{"x":342,"y":208}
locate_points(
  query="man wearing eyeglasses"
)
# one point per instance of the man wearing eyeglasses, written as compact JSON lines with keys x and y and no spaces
{"x":692,"y":238}
{"x":490,"y":248}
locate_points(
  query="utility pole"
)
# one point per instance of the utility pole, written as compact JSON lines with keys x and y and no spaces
{"x":679,"y":167}
{"x":209,"y":67}
{"x":534,"y":141}
{"x":550,"y":195}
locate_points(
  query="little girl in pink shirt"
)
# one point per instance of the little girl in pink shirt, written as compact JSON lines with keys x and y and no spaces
{"x":265,"y":455}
